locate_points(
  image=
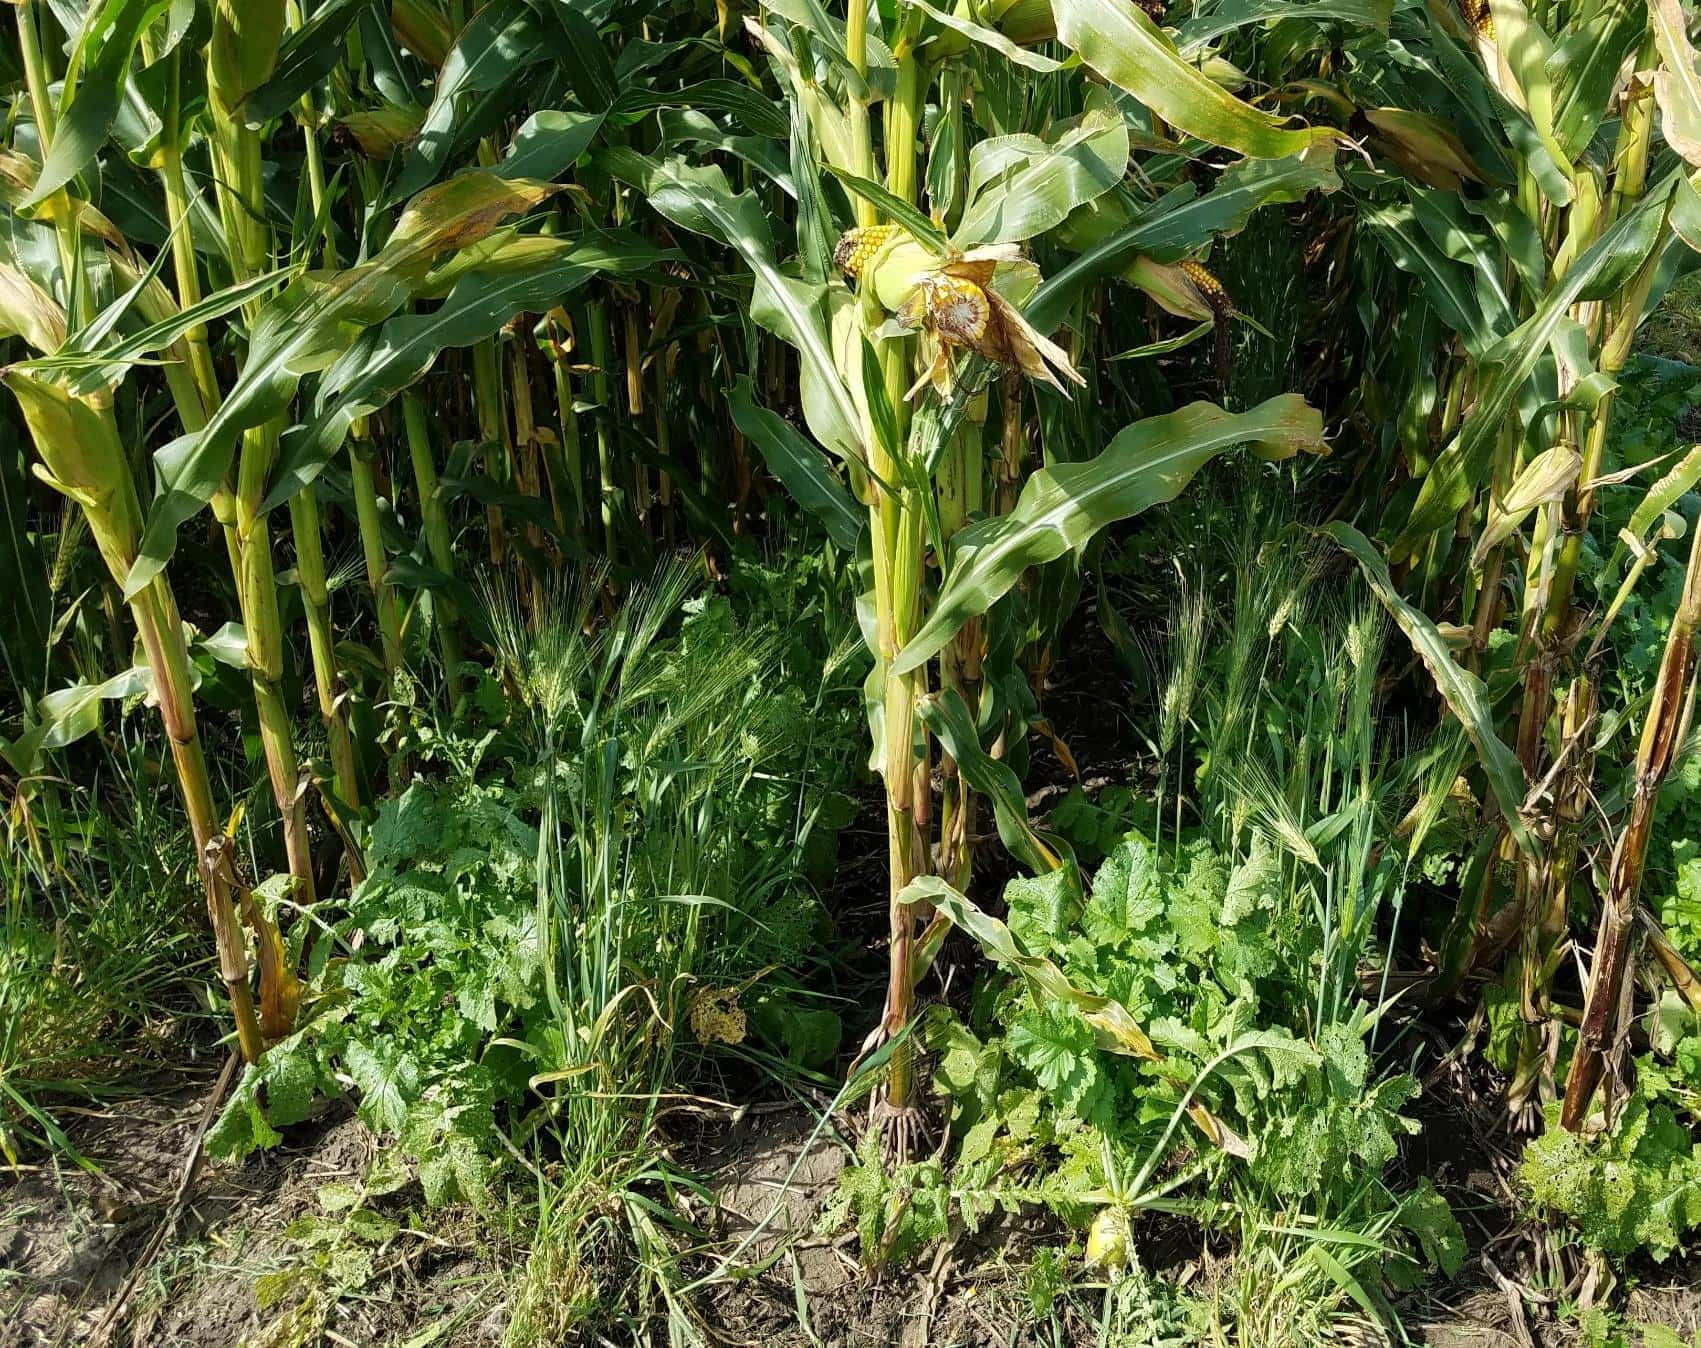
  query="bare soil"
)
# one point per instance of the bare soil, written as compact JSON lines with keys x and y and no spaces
{"x":70,"y":1241}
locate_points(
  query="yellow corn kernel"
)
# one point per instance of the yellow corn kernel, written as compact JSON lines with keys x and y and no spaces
{"x":1209,"y":288}
{"x":1479,"y":16}
{"x":856,"y":246}
{"x":958,"y":308}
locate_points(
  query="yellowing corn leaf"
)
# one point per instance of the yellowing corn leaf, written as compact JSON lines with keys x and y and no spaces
{"x":1119,"y":41}
{"x":305,"y":329}
{"x":1677,"y":83}
{"x":29,"y":311}
{"x":1426,"y":148}
{"x":1545,"y":478}
{"x":1113,"y":1025}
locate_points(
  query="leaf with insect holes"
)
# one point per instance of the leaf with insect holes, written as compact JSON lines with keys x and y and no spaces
{"x":242,"y":1127}
{"x":387,"y":1079}
{"x":1043,"y":909}
{"x":1636,"y":1186}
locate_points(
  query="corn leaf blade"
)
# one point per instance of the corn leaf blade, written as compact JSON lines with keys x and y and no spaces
{"x":1118,"y":41}
{"x":1063,"y":506}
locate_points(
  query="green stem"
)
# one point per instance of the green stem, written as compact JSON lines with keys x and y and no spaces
{"x":437,"y":538}
{"x":305,"y":526}
{"x":238,"y":182}
{"x":371,"y":526}
{"x":316,"y":602}
{"x":487,"y":399}
{"x":899,"y":559}
{"x":572,"y":452}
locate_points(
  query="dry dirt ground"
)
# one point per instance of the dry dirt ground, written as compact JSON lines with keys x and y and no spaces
{"x":241,"y":1266}
{"x":70,"y":1241}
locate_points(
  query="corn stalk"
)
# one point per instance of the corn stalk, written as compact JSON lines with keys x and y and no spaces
{"x":1662,"y":733}
{"x":1544,"y":283}
{"x":83,"y":459}
{"x":894,"y":370}
{"x":241,"y":52}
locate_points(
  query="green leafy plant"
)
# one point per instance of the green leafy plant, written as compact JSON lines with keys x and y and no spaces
{"x":1635,"y":1187}
{"x":1185,"y":944}
{"x":437,"y":958}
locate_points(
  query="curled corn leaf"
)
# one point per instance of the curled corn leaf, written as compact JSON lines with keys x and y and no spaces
{"x":1113,"y":1025}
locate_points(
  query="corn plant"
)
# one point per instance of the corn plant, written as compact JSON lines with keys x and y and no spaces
{"x":206,"y":103}
{"x":916,"y":307}
{"x":1529,"y":176}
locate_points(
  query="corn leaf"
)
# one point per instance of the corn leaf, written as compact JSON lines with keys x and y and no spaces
{"x":309,"y":54}
{"x":549,"y":143}
{"x":1117,"y":40}
{"x":1585,"y":67}
{"x":67,"y":714}
{"x":1608,"y":263}
{"x":1114,"y":1026}
{"x":1063,"y":506}
{"x":753,"y":110}
{"x":1233,"y":14}
{"x":687,"y":126}
{"x":305,"y":329}
{"x":799,"y":467}
{"x":827,"y":36}
{"x":1447,"y":285}
{"x":988,"y":37}
{"x":1040,"y":190}
{"x":1677,"y":83}
{"x":947,"y":716}
{"x":1522,"y":52}
{"x":97,"y":367}
{"x":1664,"y":493}
{"x":387,"y":360}
{"x":1442,"y":216}
{"x":894,"y":208}
{"x":701,"y":200}
{"x":29,"y":311}
{"x":1544,"y":478}
{"x":89,"y":106}
{"x":1178,"y":222}
{"x":489,"y":58}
